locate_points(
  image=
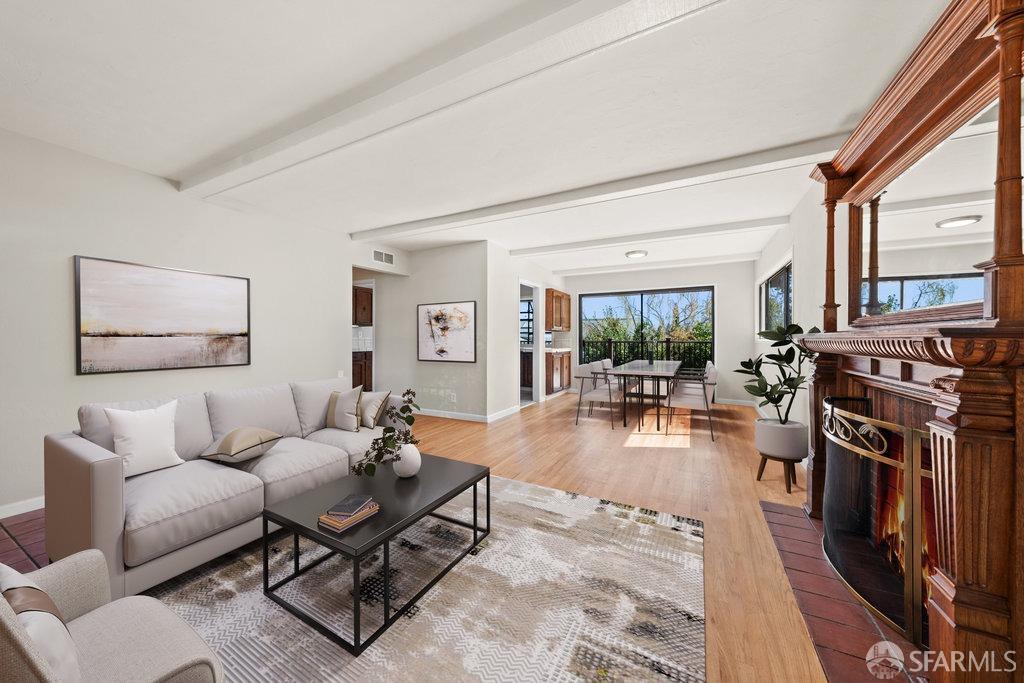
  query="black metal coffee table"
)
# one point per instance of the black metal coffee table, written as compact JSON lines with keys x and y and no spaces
{"x":402,"y":502}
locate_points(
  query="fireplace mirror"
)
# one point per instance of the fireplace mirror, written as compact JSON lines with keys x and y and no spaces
{"x":879,"y":513}
{"x":922,"y":237}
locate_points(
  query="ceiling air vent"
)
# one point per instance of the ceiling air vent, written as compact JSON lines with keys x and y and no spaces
{"x":383,"y":257}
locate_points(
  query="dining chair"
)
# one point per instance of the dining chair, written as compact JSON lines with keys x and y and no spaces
{"x":695,"y":390}
{"x":600,"y":391}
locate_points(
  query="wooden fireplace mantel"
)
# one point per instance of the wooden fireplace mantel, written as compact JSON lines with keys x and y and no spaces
{"x":954,"y":371}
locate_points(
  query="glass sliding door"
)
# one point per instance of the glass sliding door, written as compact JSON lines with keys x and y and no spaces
{"x":672,"y":324}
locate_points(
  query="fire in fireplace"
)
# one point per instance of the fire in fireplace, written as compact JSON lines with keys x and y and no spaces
{"x":878,"y":512}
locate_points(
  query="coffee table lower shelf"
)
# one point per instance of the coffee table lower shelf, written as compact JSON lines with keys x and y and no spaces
{"x":358,"y":645}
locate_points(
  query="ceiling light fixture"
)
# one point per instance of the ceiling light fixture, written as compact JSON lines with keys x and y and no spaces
{"x":958,"y":222}
{"x":636,"y":253}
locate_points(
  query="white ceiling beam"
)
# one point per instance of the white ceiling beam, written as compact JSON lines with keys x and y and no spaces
{"x":949,"y":201}
{"x":660,"y":265}
{"x":934,"y":242}
{"x":657,"y":236}
{"x":466,"y":67}
{"x":763,"y":161}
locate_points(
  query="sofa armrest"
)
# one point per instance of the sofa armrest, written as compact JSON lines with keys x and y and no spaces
{"x":385,"y":421}
{"x":84,"y":489}
{"x":78,"y":584}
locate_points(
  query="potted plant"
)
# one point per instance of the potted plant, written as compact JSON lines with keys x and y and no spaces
{"x":780,"y":437}
{"x":395,"y":445}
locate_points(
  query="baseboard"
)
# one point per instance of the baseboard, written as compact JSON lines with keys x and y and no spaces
{"x":511,"y":410}
{"x":736,"y":402}
{"x":470,"y":417}
{"x":21,"y":506}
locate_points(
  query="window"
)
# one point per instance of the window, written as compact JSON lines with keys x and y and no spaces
{"x":676,"y":324}
{"x":777,"y":299}
{"x":526,"y":321}
{"x":901,"y":293}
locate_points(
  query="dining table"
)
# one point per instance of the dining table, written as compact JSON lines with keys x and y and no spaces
{"x":645,"y":370}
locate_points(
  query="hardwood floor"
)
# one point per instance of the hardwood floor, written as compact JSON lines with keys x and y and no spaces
{"x":754,"y":627}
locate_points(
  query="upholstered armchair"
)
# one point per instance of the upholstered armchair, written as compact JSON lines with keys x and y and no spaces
{"x":131,"y":639}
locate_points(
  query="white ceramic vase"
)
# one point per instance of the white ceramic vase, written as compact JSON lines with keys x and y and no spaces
{"x":781,"y":440}
{"x":410,"y":463}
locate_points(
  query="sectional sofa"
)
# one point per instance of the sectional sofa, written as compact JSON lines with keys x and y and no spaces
{"x":154,"y":526}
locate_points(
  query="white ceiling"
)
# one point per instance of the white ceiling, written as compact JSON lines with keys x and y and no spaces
{"x":421,"y":123}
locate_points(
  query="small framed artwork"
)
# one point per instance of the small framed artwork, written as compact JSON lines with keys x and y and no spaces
{"x":446,"y":332}
{"x":130,"y":317}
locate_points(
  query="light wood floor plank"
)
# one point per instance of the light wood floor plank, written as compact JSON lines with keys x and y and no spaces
{"x":754,"y":629}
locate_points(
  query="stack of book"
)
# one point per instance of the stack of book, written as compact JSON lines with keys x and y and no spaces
{"x":349,"y":512}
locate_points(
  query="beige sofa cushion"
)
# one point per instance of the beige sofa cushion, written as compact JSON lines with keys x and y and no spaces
{"x":192,"y":431}
{"x":269,"y":407}
{"x":311,"y":401}
{"x":294,"y":466}
{"x":140,"y":639}
{"x":171,"y":508}
{"x":353,"y":443}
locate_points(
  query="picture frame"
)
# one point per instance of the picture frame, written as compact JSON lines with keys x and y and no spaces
{"x":134,"y":317}
{"x":446,"y":332}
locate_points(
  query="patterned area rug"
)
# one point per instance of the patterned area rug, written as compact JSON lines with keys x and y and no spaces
{"x":566,"y":588}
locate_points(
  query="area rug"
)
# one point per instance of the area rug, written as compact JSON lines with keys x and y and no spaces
{"x":566,"y":588}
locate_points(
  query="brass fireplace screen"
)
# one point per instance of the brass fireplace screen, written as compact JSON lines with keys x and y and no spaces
{"x":878,"y":513}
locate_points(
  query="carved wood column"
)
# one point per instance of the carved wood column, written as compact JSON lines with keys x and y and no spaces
{"x":973,"y":438}
{"x":1004,"y":273}
{"x":822,"y":384}
{"x":873,"y":306}
{"x":855,"y":251}
{"x":835,"y":187}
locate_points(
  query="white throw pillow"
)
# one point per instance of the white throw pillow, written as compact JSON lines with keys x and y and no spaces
{"x":239,"y":445}
{"x":43,"y":623}
{"x":343,"y":409}
{"x":371,"y":407}
{"x":144,"y":438}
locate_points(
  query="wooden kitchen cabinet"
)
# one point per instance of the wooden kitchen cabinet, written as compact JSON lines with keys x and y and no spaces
{"x":526,"y":368}
{"x":557,"y":371}
{"x":362,"y":306}
{"x":557,"y":311}
{"x":362,"y":369}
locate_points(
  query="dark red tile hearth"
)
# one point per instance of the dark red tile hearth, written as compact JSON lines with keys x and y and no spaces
{"x":807,"y":535}
{"x":821,"y":585}
{"x":23,"y":517}
{"x":799,"y":547}
{"x":788,"y":520}
{"x":852,"y":641}
{"x":843,"y":668}
{"x":18,"y":528}
{"x":23,"y":540}
{"x":781,"y":509}
{"x":840,"y":611}
{"x":805,"y":563}
{"x":9,"y":557}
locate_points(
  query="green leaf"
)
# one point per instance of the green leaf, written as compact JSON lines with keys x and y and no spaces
{"x":370,"y":469}
{"x":409,"y":419}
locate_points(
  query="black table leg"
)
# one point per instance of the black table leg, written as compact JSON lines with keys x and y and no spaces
{"x":266,"y":558}
{"x":657,"y":401}
{"x":296,"y":553}
{"x":475,"y":527}
{"x":387,"y":581}
{"x":355,"y":603}
{"x":488,"y":502}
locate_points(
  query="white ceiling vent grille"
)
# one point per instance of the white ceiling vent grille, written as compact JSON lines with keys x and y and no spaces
{"x":383,"y":257}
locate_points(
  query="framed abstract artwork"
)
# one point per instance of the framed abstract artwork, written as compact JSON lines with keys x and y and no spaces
{"x":446,"y":332}
{"x":131,"y":317}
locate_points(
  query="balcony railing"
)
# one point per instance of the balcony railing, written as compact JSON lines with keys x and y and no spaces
{"x":693,"y":354}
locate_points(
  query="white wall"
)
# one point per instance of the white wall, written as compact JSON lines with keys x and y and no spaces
{"x":932,"y":260}
{"x":733,"y":308}
{"x":457,"y":273}
{"x":803,"y":243}
{"x":55,"y":203}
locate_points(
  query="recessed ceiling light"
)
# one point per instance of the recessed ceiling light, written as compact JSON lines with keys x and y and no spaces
{"x":958,"y":222}
{"x":636,"y":253}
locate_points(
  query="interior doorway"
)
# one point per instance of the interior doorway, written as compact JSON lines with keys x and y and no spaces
{"x":531,"y":344}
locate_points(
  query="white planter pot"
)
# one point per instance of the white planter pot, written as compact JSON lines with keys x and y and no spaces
{"x":410,"y":463}
{"x":781,"y":440}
